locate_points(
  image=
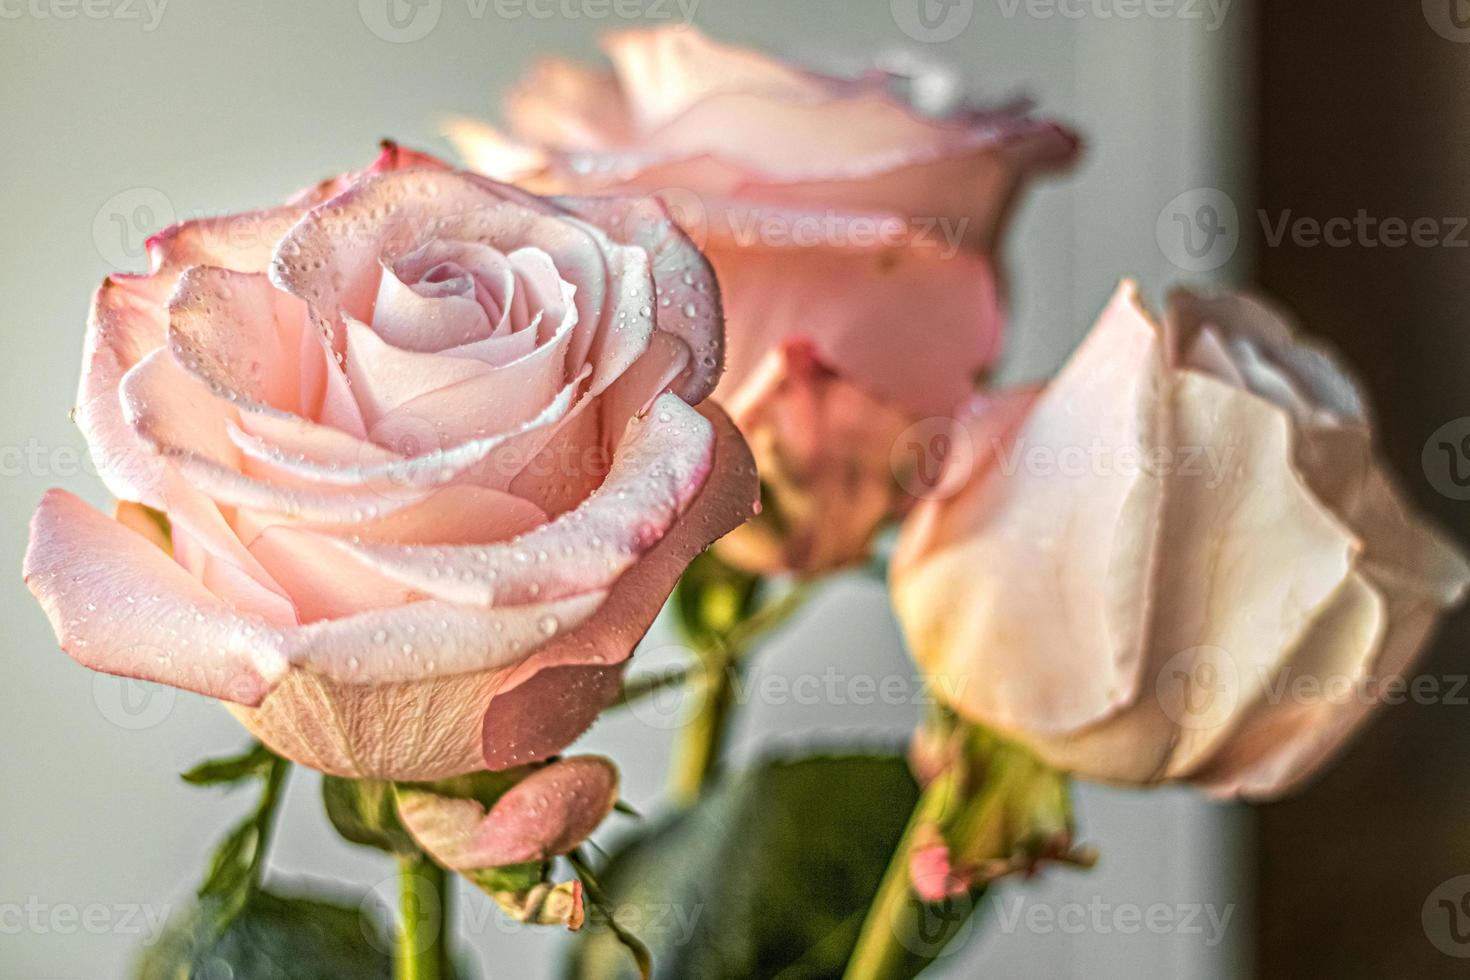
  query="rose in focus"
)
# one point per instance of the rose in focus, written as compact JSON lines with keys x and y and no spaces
{"x":855,"y":219}
{"x":1219,"y":592}
{"x":426,"y":449}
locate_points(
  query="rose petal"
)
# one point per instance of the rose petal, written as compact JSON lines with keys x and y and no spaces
{"x":538,"y":718}
{"x":1111,"y":399}
{"x":175,"y":416}
{"x":390,"y":157}
{"x":384,"y":376}
{"x":660,"y":467}
{"x":461,"y":397}
{"x":121,"y":606}
{"x":240,"y":335}
{"x":421,"y":729}
{"x":665,"y":73}
{"x":566,"y":104}
{"x":404,"y":317}
{"x":128,"y":321}
{"x":728,"y":498}
{"x":550,"y":812}
{"x":854,"y":300}
{"x":824,"y":447}
{"x":688,"y":306}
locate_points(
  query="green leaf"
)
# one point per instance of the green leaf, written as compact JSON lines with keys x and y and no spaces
{"x":770,"y":874}
{"x":365,"y":811}
{"x":254,"y":763}
{"x":239,"y":860}
{"x":271,"y":938}
{"x":230,"y":868}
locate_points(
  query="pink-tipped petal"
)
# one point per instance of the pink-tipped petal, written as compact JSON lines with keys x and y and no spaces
{"x":689,"y":306}
{"x":545,"y":714}
{"x":550,"y":812}
{"x":119,"y":605}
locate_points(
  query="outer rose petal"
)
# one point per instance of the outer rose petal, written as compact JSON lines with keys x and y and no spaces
{"x":390,"y":157}
{"x":548,"y":813}
{"x":1019,"y":526}
{"x":666,"y":72}
{"x":128,"y":321}
{"x":120,"y":605}
{"x":661,"y":465}
{"x":567,"y":104}
{"x":679,"y":111}
{"x":547,"y":713}
{"x":727,"y":499}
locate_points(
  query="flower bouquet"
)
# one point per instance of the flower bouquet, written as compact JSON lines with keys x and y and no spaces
{"x":407,"y":465}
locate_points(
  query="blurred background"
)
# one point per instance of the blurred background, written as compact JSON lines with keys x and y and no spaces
{"x":1209,"y":124}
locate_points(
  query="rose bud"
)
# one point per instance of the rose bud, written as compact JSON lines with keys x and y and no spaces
{"x":425,"y":448}
{"x":501,"y":840}
{"x":1179,"y":561}
{"x":838,"y":213}
{"x":821,"y":444}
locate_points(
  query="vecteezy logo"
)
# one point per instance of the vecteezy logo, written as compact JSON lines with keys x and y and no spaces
{"x":666,"y":706}
{"x":1446,"y":459}
{"x":1198,"y":230}
{"x":688,"y":211}
{"x":1450,"y":19}
{"x":131,"y":704}
{"x":400,"y":21}
{"x":932,"y":21}
{"x":933,"y":929}
{"x":932,"y":458}
{"x":1198,"y":688}
{"x":122,"y":225}
{"x":1446,"y":917}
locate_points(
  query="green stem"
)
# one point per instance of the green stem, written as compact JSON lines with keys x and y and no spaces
{"x":265,"y":816}
{"x":901,"y":934}
{"x":767,"y":617}
{"x":422,"y":951}
{"x":697,"y":756}
{"x":642,"y":687}
{"x":700,"y":744}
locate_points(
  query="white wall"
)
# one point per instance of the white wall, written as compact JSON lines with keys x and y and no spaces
{"x":222,"y":105}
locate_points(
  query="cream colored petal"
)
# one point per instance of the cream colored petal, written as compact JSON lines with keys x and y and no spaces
{"x":1049,"y":637}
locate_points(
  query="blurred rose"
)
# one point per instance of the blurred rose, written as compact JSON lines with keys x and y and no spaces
{"x":822,"y":444}
{"x":1179,"y":561}
{"x":426,"y":447}
{"x":836,"y":212}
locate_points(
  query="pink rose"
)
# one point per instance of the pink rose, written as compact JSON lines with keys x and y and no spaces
{"x":1179,"y":561}
{"x":837,"y":215}
{"x":822,"y":445}
{"x":426,"y":446}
